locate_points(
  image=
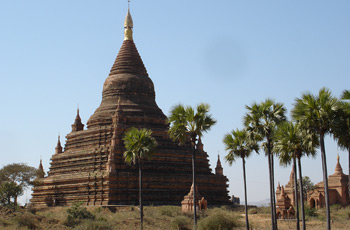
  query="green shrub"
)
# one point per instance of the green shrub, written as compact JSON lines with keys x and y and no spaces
{"x":341,"y":214}
{"x":335,"y":207}
{"x":310,"y":212}
{"x":27,"y":220}
{"x":253,"y":211}
{"x":169,"y":211}
{"x":4,"y":223}
{"x":93,"y":225}
{"x":264,"y":210}
{"x":180,"y":223}
{"x":77,"y":213}
{"x":98,"y":210}
{"x":31,"y":209}
{"x":218,"y":221}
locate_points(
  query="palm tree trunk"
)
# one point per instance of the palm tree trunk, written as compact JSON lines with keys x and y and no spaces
{"x":193,"y":143}
{"x":140,"y":194}
{"x":301,"y":194}
{"x":296,"y":191}
{"x":271,"y":198}
{"x":245,"y":196}
{"x":272,"y":194}
{"x":325,"y":180}
{"x":349,"y":172}
{"x":273,"y":190}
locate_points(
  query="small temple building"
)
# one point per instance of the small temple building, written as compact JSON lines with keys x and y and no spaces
{"x":288,"y":189}
{"x":285,"y":199}
{"x":91,"y":168}
{"x":284,"y":207}
{"x":337,"y":187}
{"x":187,"y":203}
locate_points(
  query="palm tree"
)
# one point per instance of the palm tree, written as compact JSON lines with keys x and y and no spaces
{"x":139,"y":144}
{"x":292,"y":142}
{"x":342,"y":134}
{"x":319,"y":114}
{"x":262,"y":120}
{"x":239,"y":144}
{"x":184,"y":124}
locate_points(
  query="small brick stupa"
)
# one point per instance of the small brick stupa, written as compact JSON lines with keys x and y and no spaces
{"x":284,"y":208}
{"x":288,"y":188}
{"x":91,"y":168}
{"x":187,"y":203}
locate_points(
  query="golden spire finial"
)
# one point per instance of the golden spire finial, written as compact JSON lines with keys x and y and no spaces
{"x":128,"y":25}
{"x":337,"y":155}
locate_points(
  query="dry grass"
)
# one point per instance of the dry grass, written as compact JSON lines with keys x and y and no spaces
{"x":163,"y":217}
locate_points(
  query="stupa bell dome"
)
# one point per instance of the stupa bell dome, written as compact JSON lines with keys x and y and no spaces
{"x":129,"y":81}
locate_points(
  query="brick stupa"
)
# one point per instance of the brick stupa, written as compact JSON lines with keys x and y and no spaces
{"x":91,"y":168}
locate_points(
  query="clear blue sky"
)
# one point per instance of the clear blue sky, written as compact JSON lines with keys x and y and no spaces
{"x":57,"y":54}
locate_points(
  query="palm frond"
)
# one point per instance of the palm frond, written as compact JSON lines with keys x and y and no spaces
{"x":239,"y":145}
{"x":186,"y":122}
{"x":345,"y":95}
{"x":291,"y":140}
{"x":139,"y":144}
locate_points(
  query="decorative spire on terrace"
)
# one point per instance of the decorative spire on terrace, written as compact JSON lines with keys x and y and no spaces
{"x":218,"y":169}
{"x":291,"y":178}
{"x":77,"y":126}
{"x":41,"y":173}
{"x":58,"y":148}
{"x":282,"y":192}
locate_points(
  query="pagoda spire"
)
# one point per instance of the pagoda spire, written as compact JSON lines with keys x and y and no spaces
{"x":291,"y":176}
{"x":218,"y":169}
{"x":77,"y":125}
{"x":282,"y":191}
{"x":40,"y":172}
{"x":338,"y":168}
{"x":128,"y":25}
{"x":58,"y":148}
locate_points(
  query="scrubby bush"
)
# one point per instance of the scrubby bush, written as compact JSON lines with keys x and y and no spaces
{"x":31,"y":209}
{"x":341,"y":213}
{"x":180,"y":223}
{"x":310,"y":212}
{"x":219,"y":220}
{"x":335,"y":207}
{"x":93,"y":225}
{"x":253,"y":211}
{"x":4,"y":223}
{"x":27,"y":220}
{"x":264,"y":210}
{"x":169,"y":211}
{"x":77,"y":213}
